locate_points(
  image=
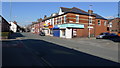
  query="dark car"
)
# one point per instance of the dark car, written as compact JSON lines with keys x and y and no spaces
{"x":106,"y":35}
{"x":42,"y":33}
{"x":113,"y":35}
{"x":103,"y":35}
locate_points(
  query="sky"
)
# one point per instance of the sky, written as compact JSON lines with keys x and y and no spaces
{"x":62,"y":0}
{"x":27,"y":12}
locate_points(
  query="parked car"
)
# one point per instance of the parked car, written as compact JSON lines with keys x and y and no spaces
{"x":103,"y":35}
{"x":42,"y":33}
{"x":106,"y":35}
{"x":113,"y":35}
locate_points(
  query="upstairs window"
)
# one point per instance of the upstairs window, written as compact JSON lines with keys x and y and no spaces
{"x":65,"y":19}
{"x":61,"y":19}
{"x":105,"y":23}
{"x":77,"y":19}
{"x":110,"y":24}
{"x":99,"y":22}
{"x":90,"y":20}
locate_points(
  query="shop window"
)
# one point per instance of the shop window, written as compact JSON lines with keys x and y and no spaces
{"x":51,"y":32}
{"x":63,"y":32}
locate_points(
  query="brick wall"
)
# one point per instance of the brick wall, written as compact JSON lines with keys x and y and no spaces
{"x":100,"y":28}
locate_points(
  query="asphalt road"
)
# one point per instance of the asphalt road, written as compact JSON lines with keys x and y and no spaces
{"x":32,"y":50}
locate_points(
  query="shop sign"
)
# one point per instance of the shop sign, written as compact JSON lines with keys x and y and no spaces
{"x":71,"y":25}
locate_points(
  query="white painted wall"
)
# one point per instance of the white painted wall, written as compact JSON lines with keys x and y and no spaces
{"x":68,"y":33}
{"x":13,"y":27}
{"x":61,"y":34}
{"x":46,"y":32}
{"x":60,"y":12}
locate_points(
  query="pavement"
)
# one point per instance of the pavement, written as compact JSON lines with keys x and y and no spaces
{"x":33,"y":50}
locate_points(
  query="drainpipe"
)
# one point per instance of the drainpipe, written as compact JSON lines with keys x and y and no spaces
{"x":89,"y":21}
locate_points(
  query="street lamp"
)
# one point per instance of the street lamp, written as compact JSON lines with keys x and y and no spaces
{"x":90,"y":6}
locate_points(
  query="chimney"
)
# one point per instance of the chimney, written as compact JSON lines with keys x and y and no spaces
{"x":90,"y":11}
{"x":45,"y":16}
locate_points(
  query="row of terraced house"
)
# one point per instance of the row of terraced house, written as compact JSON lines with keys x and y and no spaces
{"x":72,"y":22}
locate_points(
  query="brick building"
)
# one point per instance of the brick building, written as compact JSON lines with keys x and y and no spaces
{"x":113,"y":25}
{"x":74,"y":22}
{"x":4,"y":25}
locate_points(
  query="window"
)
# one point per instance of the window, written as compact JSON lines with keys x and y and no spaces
{"x":51,"y":22}
{"x":56,"y":20}
{"x":90,"y":20}
{"x":110,"y":24}
{"x":65,"y":19}
{"x":61,"y":19}
{"x":105,"y":23}
{"x":63,"y":32}
{"x":99,"y":22}
{"x":77,"y":19}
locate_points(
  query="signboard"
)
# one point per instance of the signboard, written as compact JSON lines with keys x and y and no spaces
{"x":90,"y":26}
{"x":71,"y":25}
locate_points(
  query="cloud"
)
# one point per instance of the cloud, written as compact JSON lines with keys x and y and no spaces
{"x":110,"y":17}
{"x":28,"y":21}
{"x":15,"y":16}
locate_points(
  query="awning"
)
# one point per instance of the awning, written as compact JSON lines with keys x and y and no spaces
{"x":56,"y":27}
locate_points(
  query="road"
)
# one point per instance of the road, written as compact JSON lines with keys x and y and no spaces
{"x":26,"y":49}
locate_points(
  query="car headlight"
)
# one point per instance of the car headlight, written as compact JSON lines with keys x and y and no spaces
{"x":101,"y":36}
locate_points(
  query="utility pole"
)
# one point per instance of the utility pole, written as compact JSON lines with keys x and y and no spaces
{"x":119,"y":18}
{"x":90,"y":6}
{"x":10,"y":10}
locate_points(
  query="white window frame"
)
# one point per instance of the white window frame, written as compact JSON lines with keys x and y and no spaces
{"x":61,"y":19}
{"x":90,"y":20}
{"x":64,"y":19}
{"x":105,"y":23}
{"x":110,"y":24}
{"x":56,"y":20}
{"x":77,"y":18}
{"x":99,"y":22}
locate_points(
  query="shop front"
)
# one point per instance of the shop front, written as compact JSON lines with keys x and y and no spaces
{"x":51,"y":30}
{"x":56,"y":31}
{"x":69,"y":30}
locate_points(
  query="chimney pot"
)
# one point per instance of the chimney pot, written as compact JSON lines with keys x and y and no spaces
{"x":90,"y":11}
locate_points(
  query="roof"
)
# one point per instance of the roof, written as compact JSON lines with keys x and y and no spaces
{"x":75,"y":10}
{"x":99,"y":17}
{"x":4,"y":19}
{"x":109,"y":20}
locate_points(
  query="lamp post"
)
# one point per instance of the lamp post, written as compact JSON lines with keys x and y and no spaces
{"x":90,"y":6}
{"x":11,"y":10}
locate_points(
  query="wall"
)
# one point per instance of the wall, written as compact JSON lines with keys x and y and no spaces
{"x":5,"y":25}
{"x":68,"y":33}
{"x":100,"y":28}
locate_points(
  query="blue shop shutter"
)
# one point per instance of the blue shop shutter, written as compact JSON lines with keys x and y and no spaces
{"x":56,"y":33}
